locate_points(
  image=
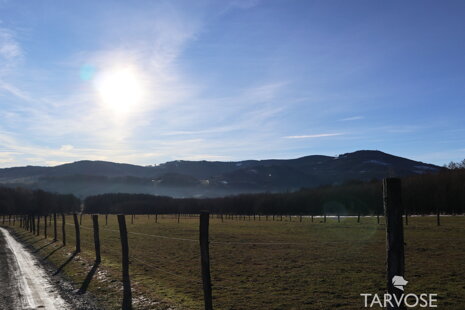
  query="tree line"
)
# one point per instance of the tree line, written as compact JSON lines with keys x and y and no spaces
{"x":421,"y":194}
{"x":20,"y":201}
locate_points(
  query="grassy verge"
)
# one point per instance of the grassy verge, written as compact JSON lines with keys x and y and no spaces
{"x":264,"y":264}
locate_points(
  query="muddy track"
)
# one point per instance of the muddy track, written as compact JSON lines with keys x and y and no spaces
{"x":26,"y":284}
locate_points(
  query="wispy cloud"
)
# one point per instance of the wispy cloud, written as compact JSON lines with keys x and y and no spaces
{"x":352,"y":118}
{"x":321,"y":135}
{"x":9,"y":47}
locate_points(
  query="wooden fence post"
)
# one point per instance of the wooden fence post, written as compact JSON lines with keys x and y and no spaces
{"x":45,"y":226}
{"x":106,"y":219}
{"x":63,"y":228}
{"x":96,"y":238}
{"x":55,"y":235}
{"x":78,"y":233}
{"x":38,"y":225}
{"x":205,"y":260}
{"x":33,"y":224}
{"x":127,"y":296}
{"x":394,"y":234}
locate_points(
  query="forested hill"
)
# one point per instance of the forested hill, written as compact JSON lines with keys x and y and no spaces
{"x":213,"y":179}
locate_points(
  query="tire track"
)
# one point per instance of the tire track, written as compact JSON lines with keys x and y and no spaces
{"x":35,"y":289}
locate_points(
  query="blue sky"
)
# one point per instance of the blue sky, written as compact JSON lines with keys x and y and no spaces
{"x":145,"y":82}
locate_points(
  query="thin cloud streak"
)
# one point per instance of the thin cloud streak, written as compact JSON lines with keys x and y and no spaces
{"x":353,"y":118}
{"x":321,"y":135}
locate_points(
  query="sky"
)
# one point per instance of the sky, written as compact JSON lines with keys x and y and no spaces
{"x":145,"y":82}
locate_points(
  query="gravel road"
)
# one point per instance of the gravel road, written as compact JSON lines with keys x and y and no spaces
{"x":26,"y":284}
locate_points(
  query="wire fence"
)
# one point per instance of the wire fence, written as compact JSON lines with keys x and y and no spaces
{"x":153,"y":265}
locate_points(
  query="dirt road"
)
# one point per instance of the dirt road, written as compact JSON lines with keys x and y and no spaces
{"x":24,"y":284}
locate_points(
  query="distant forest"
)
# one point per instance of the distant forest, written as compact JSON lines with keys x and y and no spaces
{"x":19,"y":201}
{"x":421,"y":194}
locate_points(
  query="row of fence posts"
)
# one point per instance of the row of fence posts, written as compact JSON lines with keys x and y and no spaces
{"x":219,"y":216}
{"x":395,"y":257}
{"x":29,"y":223}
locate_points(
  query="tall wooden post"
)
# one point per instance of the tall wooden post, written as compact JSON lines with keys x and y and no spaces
{"x":205,"y":260}
{"x":45,"y":226}
{"x":106,"y":219}
{"x":63,"y":228}
{"x":127,"y":295}
{"x":33,"y":224}
{"x":78,"y":233}
{"x":96,"y":238}
{"x":394,"y":234}
{"x":38,"y":225}
{"x":55,"y":235}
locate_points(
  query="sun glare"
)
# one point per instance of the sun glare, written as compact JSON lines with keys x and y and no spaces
{"x":120,"y":89}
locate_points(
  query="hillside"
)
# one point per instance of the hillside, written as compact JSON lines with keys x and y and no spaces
{"x":212,"y":179}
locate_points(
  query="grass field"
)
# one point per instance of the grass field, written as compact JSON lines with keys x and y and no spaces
{"x":310,"y":266}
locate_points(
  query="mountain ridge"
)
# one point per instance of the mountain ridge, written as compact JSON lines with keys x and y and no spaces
{"x":183,"y":178}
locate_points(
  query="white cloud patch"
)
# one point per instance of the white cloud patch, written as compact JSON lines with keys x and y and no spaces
{"x":66,"y":147}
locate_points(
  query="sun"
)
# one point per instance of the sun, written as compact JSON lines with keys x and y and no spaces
{"x":120,"y":89}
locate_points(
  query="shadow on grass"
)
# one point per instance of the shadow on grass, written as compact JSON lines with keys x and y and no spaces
{"x":51,"y":253}
{"x":25,"y":238}
{"x":88,"y":279}
{"x":65,"y":263}
{"x":44,"y":246}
